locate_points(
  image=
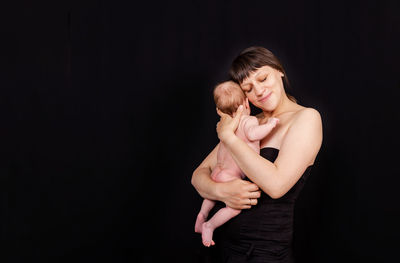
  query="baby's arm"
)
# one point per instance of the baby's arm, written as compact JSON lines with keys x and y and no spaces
{"x":256,"y":132}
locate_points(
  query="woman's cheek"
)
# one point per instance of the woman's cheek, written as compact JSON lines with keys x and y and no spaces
{"x":252,"y":100}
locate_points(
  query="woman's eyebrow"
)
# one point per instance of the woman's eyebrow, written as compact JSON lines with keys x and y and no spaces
{"x":261,"y":74}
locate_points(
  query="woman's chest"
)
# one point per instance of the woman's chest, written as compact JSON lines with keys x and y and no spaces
{"x":277,"y":135}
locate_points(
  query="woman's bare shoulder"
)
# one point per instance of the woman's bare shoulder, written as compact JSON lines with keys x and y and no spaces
{"x":306,"y":113}
{"x":306,"y":121}
{"x":303,"y":138}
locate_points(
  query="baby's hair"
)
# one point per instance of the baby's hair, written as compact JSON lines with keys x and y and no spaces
{"x":228,"y":96}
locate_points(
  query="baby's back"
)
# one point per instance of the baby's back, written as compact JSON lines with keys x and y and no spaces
{"x":224,"y":158}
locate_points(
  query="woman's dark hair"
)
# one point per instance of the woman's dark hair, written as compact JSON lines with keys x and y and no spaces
{"x":253,"y":58}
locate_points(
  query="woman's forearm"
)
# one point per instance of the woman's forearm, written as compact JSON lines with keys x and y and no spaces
{"x":297,"y":151}
{"x":237,"y":194}
{"x":259,"y":170}
{"x":203,"y":183}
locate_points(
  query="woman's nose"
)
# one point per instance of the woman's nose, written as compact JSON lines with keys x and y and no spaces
{"x":258,"y":90}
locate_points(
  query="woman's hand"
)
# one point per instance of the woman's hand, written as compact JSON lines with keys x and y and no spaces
{"x":239,"y":194}
{"x":227,"y":125}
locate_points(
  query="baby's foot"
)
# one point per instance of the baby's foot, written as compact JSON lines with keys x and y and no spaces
{"x":206,"y":234}
{"x":199,"y":222}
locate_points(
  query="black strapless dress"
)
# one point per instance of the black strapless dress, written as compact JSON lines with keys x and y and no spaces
{"x":263,"y":233}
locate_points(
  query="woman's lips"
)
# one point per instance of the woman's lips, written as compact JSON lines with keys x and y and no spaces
{"x":265,"y":98}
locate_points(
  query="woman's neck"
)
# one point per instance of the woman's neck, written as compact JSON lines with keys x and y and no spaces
{"x":286,"y":105}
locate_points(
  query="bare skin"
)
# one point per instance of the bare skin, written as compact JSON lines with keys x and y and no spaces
{"x":249,"y":131}
{"x":298,"y":136}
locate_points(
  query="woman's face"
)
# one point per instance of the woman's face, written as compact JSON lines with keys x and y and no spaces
{"x":264,"y":88}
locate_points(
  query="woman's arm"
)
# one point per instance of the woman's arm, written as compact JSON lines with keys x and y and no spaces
{"x":201,"y":179}
{"x":299,"y":148}
{"x":235,"y":194}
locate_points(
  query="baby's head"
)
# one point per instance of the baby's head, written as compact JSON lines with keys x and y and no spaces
{"x":228,"y":96}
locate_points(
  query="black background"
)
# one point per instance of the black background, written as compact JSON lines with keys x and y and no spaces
{"x":106,"y":110}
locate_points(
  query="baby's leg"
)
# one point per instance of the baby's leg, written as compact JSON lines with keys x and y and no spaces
{"x":221,"y":217}
{"x":206,"y":206}
{"x":226,"y":175}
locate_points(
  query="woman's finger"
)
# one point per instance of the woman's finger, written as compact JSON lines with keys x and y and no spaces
{"x":255,"y":195}
{"x":220,"y":113}
{"x":248,"y":202}
{"x":251,"y":187}
{"x":235,"y":120}
{"x":245,"y":202}
{"x":253,"y":201}
{"x":239,"y":112}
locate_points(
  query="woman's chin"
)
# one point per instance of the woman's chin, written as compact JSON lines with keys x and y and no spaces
{"x":267,"y":106}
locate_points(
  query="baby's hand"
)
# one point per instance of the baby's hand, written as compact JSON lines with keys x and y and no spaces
{"x":256,"y":132}
{"x":273,"y":121}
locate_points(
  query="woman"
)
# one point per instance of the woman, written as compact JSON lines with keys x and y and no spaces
{"x":264,"y":232}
